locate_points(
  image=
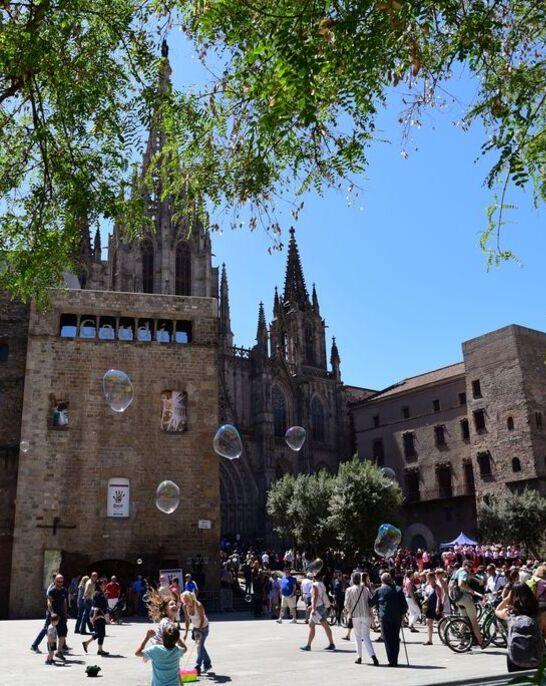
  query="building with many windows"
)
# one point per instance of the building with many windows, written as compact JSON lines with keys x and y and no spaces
{"x":456,"y":434}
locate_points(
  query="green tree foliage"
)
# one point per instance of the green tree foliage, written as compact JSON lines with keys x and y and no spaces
{"x":321,"y":511}
{"x":515,"y":518}
{"x":362,"y":499}
{"x":291,"y":105}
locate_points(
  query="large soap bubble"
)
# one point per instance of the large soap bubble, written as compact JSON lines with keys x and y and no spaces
{"x":387,"y":540}
{"x":167,"y":497}
{"x":24,"y":446}
{"x":295,"y":437}
{"x":388,"y":473}
{"x":227,"y":442}
{"x":314,"y":567}
{"x":117,"y":389}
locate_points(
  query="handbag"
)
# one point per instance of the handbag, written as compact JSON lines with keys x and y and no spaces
{"x":350,"y":620}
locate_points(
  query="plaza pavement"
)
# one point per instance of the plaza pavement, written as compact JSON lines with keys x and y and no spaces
{"x":244,"y":652}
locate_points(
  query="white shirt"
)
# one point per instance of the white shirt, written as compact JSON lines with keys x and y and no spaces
{"x":356,"y":601}
{"x":306,"y":586}
{"x":495,"y":583}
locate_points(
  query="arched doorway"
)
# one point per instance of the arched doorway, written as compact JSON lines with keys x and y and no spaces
{"x":417,"y":542}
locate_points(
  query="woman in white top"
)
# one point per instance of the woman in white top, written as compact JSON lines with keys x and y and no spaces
{"x":319,"y":611}
{"x":164,"y":612}
{"x":356,"y":605}
{"x":194,"y":613}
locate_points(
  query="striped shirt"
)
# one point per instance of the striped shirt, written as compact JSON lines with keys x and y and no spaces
{"x":357,"y":603}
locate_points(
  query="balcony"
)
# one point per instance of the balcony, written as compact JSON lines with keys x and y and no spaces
{"x":440,"y":493}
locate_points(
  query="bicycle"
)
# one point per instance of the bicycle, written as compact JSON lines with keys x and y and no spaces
{"x":460,"y":638}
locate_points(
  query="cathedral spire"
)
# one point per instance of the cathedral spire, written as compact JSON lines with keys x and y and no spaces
{"x":335,"y":360}
{"x":295,"y":292}
{"x":83,"y":257}
{"x":261,"y":334}
{"x":97,"y":247}
{"x":225,"y":318}
{"x":276,"y":304}
{"x":315,"y":300}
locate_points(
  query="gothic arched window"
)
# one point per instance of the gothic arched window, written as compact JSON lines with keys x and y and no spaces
{"x":147,"y":267}
{"x":183,"y":269}
{"x":317,"y":419}
{"x":279,"y":412}
{"x":309,"y":345}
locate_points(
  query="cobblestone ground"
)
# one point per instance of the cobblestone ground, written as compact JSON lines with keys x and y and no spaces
{"x":243,"y":652}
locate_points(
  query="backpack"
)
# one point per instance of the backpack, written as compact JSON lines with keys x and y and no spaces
{"x":287,"y":586}
{"x":453,"y":590}
{"x":525,"y":645}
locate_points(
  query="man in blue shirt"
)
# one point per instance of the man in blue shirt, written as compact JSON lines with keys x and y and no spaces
{"x":190,"y":585}
{"x":289,"y":586}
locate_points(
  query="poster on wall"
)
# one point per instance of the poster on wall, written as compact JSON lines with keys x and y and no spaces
{"x":52,"y":565}
{"x":118,"y":497}
{"x":172,"y":574}
{"x":174,"y":411}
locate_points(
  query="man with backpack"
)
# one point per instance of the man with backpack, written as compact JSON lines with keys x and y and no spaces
{"x":289,"y":587}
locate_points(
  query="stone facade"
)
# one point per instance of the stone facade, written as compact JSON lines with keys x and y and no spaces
{"x":455,"y":434}
{"x":63,"y":478}
{"x":13,"y":356}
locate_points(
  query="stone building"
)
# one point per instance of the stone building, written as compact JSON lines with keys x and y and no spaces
{"x":456,"y":434}
{"x":86,"y":485}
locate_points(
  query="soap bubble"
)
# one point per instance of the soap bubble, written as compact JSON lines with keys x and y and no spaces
{"x":227,"y":442}
{"x":314,"y":567}
{"x":139,"y":561}
{"x":295,"y":437}
{"x":117,"y":389}
{"x":24,"y":446}
{"x":248,"y":598}
{"x":387,"y":540}
{"x":388,"y":473}
{"x":167,"y":497}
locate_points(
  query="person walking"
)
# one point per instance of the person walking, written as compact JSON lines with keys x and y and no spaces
{"x":358,"y":610}
{"x":113,"y":591}
{"x":319,"y":611}
{"x":306,"y":589}
{"x":413,"y":606}
{"x":194,"y":613}
{"x":88,"y":594}
{"x":289,"y":586}
{"x":99,"y":613}
{"x":57,"y":604}
{"x":433,"y":601}
{"x":81,"y":605}
{"x":392,"y":606}
{"x":35,"y":647}
{"x":338,"y":591}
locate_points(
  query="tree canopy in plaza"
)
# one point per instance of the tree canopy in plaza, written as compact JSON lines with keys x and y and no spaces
{"x":320,"y":511}
{"x":515,"y":518}
{"x":291,"y":105}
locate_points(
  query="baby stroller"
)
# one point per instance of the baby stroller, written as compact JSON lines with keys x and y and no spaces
{"x":118,"y":610}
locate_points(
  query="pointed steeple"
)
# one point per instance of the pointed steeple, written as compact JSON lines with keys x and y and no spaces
{"x":156,"y":137}
{"x":261,"y":334}
{"x":225,"y":319}
{"x":295,"y":292}
{"x":335,"y":360}
{"x":83,"y":258}
{"x":315,"y":300}
{"x":97,"y":247}
{"x":276,"y":304}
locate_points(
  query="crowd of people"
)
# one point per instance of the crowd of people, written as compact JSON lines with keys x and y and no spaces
{"x":370,"y":595}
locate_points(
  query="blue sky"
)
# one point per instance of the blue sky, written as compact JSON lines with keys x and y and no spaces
{"x":402,"y":281}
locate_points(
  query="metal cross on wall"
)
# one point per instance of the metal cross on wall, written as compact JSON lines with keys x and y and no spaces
{"x":56,"y":525}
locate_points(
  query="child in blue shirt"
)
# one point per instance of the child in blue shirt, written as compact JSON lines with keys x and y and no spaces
{"x":165,"y":658}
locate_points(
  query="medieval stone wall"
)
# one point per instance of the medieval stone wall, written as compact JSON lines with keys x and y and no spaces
{"x":63,"y":478}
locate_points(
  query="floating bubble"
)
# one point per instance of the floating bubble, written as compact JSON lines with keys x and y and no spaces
{"x":117,"y":389}
{"x":248,"y":598}
{"x":227,"y":442}
{"x":387,"y":540}
{"x":139,"y":561}
{"x":388,"y":473}
{"x":167,"y":497}
{"x":314,"y":567}
{"x":24,"y":446}
{"x":295,"y":437}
